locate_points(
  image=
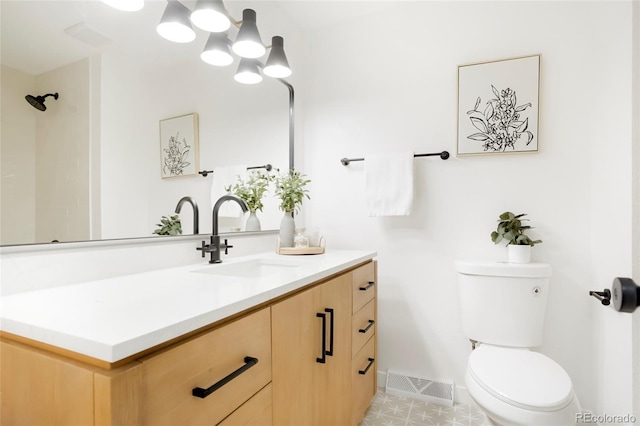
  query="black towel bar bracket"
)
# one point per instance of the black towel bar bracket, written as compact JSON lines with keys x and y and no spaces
{"x":268,"y":167}
{"x":443,"y":155}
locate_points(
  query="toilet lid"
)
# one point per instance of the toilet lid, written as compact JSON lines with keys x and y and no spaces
{"x":521,"y":377}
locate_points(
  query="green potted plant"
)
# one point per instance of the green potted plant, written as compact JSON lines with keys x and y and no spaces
{"x":512,"y":230}
{"x":169,"y":226}
{"x":252,"y":192}
{"x":290,"y":189}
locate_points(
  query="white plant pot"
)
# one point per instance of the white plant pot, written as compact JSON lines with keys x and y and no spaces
{"x":518,"y":254}
{"x":253,"y":223}
{"x":287,"y":230}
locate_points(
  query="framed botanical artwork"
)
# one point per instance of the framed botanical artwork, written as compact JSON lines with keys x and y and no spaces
{"x":179,"y":146}
{"x":498,"y":106}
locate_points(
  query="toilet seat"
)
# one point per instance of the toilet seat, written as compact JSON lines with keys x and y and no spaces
{"x":521,"y":378}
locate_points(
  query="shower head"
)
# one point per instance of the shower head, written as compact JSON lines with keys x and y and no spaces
{"x":38,"y":101}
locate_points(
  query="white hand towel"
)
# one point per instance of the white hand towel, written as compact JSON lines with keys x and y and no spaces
{"x":389,"y":183}
{"x":223,"y":177}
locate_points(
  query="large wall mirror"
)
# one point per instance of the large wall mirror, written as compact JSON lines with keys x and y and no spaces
{"x":89,"y":167}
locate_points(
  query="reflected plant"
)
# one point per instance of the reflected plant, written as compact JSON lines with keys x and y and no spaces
{"x":169,"y":226}
{"x":252,"y":191}
{"x":175,"y":156}
{"x":499,"y":124}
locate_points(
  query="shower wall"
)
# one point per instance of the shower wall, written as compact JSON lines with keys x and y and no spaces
{"x":18,"y":158}
{"x":52,"y":148}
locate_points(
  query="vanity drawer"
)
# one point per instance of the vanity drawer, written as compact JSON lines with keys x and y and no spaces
{"x":364,"y":285}
{"x":229,"y":351}
{"x":363,"y":326}
{"x":363,"y":381}
{"x":256,"y":411}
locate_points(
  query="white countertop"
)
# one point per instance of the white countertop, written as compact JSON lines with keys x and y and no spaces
{"x":115,"y":318}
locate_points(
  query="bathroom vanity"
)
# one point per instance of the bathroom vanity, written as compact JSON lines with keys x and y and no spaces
{"x":259,"y":340}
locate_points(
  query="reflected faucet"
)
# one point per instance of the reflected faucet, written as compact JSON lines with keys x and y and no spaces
{"x":196,"y":219}
{"x":215,"y":247}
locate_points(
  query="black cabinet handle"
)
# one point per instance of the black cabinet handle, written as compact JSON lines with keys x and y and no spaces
{"x":364,"y":330}
{"x":203,"y":393}
{"x":368,"y":286}
{"x":323,"y":358}
{"x":363,"y":372}
{"x":330,"y":351}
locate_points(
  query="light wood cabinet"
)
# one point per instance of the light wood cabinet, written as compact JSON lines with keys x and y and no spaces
{"x":313,"y":353}
{"x":228,"y":365}
{"x":300,"y":360}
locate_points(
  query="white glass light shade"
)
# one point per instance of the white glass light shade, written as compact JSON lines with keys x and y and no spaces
{"x":216,"y":51}
{"x":126,"y":5}
{"x":248,"y":43}
{"x":175,"y":25}
{"x":277,"y":65}
{"x":210,"y":15}
{"x":248,"y":72}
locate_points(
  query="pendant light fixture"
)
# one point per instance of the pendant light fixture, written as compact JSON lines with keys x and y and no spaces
{"x":175,"y":25}
{"x":248,"y":72}
{"x":210,"y":15}
{"x":216,"y":51}
{"x":126,"y":5}
{"x":277,"y":65}
{"x":248,"y":43}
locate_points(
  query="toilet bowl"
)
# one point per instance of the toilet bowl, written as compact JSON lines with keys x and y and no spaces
{"x":503,"y":310}
{"x":516,"y":386}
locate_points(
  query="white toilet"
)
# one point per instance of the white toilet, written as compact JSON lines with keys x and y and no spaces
{"x":503,"y":307}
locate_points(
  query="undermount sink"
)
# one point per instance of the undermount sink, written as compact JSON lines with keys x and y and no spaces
{"x":253,"y":268}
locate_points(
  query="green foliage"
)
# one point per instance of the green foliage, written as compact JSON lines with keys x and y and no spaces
{"x":252,"y":191}
{"x":511,"y":229}
{"x":290,"y":188}
{"x":169,"y":226}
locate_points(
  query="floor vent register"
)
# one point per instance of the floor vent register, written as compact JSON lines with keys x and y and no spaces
{"x":429,"y":390}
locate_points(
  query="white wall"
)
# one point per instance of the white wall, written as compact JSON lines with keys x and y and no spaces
{"x":636,"y":196}
{"x":18,"y":155}
{"x":388,"y":82}
{"x":45,"y":156}
{"x":62,"y":160}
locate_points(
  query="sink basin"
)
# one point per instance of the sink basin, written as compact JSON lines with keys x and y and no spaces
{"x":253,"y":268}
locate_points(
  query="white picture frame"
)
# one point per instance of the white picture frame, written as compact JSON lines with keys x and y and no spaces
{"x":179,"y":146}
{"x":498,"y":106}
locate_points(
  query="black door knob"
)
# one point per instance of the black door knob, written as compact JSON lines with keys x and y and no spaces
{"x":625,"y":294}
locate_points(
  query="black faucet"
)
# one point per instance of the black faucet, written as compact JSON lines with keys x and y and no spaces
{"x":215,"y":247}
{"x":196,"y":219}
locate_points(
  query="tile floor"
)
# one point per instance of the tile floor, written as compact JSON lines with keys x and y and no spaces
{"x":390,"y":410}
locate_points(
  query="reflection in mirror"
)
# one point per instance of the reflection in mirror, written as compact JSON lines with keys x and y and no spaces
{"x":89,"y":166}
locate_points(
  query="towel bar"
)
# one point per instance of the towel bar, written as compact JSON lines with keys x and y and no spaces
{"x":444,"y":155}
{"x":268,"y":167}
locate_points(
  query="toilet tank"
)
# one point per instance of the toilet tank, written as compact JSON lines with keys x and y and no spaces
{"x":503,"y":303}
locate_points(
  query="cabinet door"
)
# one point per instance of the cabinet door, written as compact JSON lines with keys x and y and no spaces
{"x":311,"y":371}
{"x":39,"y":389}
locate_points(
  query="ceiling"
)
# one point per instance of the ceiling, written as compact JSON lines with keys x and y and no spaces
{"x":37,"y":36}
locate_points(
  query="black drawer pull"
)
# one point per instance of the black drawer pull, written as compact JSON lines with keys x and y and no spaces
{"x":368,"y":286}
{"x":363,"y":372}
{"x":364,"y":330}
{"x":330,"y":351}
{"x":203,"y":393}
{"x":323,"y":358}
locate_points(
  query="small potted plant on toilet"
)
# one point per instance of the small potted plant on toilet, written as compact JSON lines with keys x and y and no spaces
{"x":511,"y":229}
